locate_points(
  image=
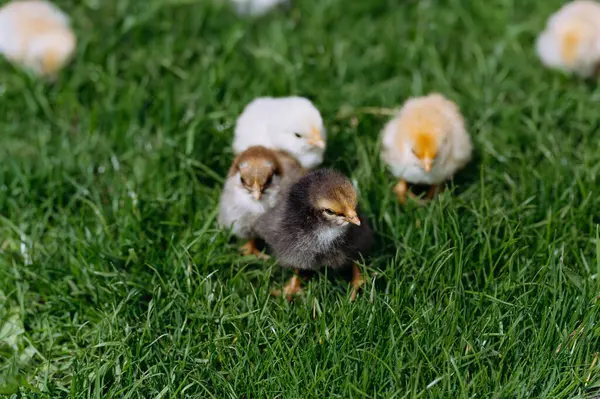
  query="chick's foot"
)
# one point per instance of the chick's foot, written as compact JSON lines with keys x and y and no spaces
{"x":249,"y":248}
{"x":402,"y":191}
{"x":357,"y":281}
{"x":292,"y":288}
{"x":434,"y":191}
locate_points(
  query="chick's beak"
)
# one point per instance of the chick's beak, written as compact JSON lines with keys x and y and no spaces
{"x":315,"y":138}
{"x":352,"y":217}
{"x":427,"y":161}
{"x":256,"y":191}
{"x":319,"y":143}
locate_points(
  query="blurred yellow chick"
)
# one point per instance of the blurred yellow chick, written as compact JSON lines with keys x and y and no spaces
{"x":425,"y":143}
{"x":256,"y":7}
{"x":571,"y":40}
{"x":36,"y":35}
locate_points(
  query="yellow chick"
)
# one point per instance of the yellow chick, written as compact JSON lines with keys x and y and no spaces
{"x":36,"y":35}
{"x":571,"y":40}
{"x":256,"y":7}
{"x":425,"y":143}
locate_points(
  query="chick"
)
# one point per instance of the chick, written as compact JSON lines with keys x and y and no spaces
{"x":292,"y":124}
{"x":315,"y":224}
{"x":252,"y":187}
{"x":571,"y":40}
{"x":426,"y":143}
{"x":256,"y":7}
{"x":36,"y":35}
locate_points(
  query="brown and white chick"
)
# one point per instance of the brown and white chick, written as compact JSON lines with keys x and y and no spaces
{"x":571,"y":40}
{"x":425,"y":143}
{"x":36,"y":35}
{"x":253,"y":185}
{"x":316,"y":224}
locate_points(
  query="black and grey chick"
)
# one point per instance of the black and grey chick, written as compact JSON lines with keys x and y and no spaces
{"x":316,"y":224}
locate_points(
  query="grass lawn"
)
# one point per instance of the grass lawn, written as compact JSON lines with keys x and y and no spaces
{"x":116,"y":283}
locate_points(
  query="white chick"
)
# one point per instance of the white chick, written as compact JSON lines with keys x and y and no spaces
{"x":425,"y":143}
{"x":291,"y":124}
{"x":253,"y":185}
{"x":571,"y":40}
{"x":256,"y":7}
{"x":36,"y":35}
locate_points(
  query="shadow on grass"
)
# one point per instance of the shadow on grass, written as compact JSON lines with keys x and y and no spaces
{"x":468,"y":176}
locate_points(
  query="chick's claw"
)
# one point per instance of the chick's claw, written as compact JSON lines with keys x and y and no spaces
{"x":356,"y":283}
{"x":291,"y":289}
{"x":249,"y":248}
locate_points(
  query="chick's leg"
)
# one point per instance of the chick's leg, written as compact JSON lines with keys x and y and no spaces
{"x":293,"y":287}
{"x":249,"y":248}
{"x":401,"y":189}
{"x":357,"y":281}
{"x":435,"y":190}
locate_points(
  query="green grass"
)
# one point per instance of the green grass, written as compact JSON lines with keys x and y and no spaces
{"x":110,"y":181}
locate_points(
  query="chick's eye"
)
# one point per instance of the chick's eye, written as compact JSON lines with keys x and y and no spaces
{"x":242,"y":180}
{"x":329,"y":212}
{"x":298,"y":135}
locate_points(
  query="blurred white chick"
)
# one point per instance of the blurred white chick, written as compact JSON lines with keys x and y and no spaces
{"x":291,"y":124}
{"x":256,"y":7}
{"x":571,"y":40}
{"x":425,"y":143}
{"x":253,"y":184}
{"x":36,"y":35}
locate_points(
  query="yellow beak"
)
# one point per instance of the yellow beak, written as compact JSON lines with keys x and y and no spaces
{"x":427,"y":164}
{"x":256,"y":191}
{"x":317,"y":143}
{"x":352,"y":217}
{"x":316,"y":139}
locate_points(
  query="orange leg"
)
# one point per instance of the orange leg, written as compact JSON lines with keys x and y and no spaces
{"x":434,"y":191}
{"x":401,"y":190}
{"x":249,"y":248}
{"x":292,"y":288}
{"x":357,"y":281}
